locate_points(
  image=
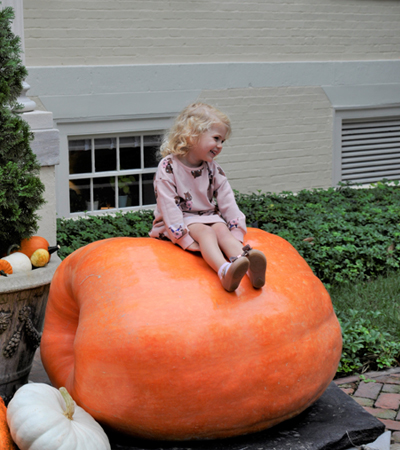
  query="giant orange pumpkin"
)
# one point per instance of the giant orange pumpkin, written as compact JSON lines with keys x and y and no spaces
{"x":144,"y":337}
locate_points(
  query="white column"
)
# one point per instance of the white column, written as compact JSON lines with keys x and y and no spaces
{"x":18,"y":29}
{"x":18,"y":22}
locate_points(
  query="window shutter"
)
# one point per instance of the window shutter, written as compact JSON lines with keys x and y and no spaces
{"x":370,"y":150}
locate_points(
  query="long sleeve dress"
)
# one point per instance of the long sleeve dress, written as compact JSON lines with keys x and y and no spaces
{"x":186,"y":195}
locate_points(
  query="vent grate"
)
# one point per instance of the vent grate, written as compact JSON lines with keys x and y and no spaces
{"x":370,"y":150}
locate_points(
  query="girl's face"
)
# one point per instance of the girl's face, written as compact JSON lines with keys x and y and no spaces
{"x":208,"y":146}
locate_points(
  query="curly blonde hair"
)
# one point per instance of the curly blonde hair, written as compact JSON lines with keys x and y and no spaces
{"x":194,"y":120}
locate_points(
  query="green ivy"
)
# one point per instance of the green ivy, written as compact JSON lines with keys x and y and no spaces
{"x":345,"y":234}
{"x":73,"y":234}
{"x":365,"y":347}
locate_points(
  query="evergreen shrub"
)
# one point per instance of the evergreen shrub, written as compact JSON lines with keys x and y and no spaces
{"x":21,"y":191}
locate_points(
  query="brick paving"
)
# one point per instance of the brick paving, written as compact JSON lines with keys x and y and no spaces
{"x":379,"y":394}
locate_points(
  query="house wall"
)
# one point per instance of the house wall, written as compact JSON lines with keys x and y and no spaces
{"x":95,"y":32}
{"x":282,"y":113}
{"x":280,"y":70}
{"x":281,"y":137}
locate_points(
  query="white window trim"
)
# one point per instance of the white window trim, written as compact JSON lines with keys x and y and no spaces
{"x":86,"y":129}
{"x":353,"y":113}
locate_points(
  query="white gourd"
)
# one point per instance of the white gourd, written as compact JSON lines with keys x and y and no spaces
{"x":19,"y":262}
{"x":41,"y":417}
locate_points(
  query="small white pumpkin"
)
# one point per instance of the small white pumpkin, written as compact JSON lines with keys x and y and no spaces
{"x":40,"y":417}
{"x":19,"y":262}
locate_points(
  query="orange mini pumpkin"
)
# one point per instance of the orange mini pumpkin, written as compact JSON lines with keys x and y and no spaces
{"x":6,"y":442}
{"x":5,"y":267}
{"x":174,"y":356}
{"x":30,"y":245}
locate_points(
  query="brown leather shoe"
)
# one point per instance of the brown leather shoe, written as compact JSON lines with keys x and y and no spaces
{"x":233,"y":273}
{"x":258,"y":266}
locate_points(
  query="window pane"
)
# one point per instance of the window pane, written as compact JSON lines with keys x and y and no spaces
{"x":103,"y":193}
{"x":133,"y":196}
{"x":128,"y":187}
{"x":79,"y":195}
{"x":147,"y":189}
{"x":129,"y":152}
{"x":151,"y":147}
{"x":105,"y":154}
{"x":80,"y":156}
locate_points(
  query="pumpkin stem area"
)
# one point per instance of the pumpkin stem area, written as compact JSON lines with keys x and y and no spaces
{"x":69,"y":403}
{"x":12,"y":247}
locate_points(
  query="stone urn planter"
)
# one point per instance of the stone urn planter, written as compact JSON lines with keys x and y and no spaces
{"x":23,"y":299}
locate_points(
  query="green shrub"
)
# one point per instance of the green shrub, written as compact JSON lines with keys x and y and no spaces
{"x":365,"y":346}
{"x":20,"y":186}
{"x":370,"y":318}
{"x":344,"y":234}
{"x":73,"y":234}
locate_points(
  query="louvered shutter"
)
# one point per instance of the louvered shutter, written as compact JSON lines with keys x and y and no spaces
{"x":370,"y":150}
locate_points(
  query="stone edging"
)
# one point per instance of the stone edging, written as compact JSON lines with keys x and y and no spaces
{"x":353,"y":378}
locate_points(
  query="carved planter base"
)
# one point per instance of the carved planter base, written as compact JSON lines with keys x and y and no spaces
{"x":23,"y":299}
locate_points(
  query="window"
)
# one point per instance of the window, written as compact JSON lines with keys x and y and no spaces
{"x":367,"y":146}
{"x":98,"y":155}
{"x":112,"y":172}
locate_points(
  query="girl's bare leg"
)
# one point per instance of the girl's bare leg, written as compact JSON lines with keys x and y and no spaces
{"x":226,"y":241}
{"x":230,"y":274}
{"x":208,"y":243}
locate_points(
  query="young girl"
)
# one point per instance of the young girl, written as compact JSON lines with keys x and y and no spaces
{"x":196,"y":207}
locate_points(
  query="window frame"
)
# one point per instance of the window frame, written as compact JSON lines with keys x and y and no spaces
{"x":93,"y":174}
{"x":99,"y":129}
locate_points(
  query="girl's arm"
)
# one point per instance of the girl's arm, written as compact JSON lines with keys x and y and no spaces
{"x":227,"y":205}
{"x":171,"y":214}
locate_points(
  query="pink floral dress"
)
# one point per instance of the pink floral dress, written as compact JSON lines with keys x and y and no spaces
{"x":186,"y":195}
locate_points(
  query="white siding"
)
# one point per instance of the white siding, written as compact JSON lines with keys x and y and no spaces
{"x":93,"y":32}
{"x":281,"y":140}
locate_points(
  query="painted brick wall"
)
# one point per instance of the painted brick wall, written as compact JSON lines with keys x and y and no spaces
{"x":282,"y":138}
{"x":95,"y":32}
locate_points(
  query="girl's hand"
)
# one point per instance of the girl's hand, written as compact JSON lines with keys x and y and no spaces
{"x":193,"y":247}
